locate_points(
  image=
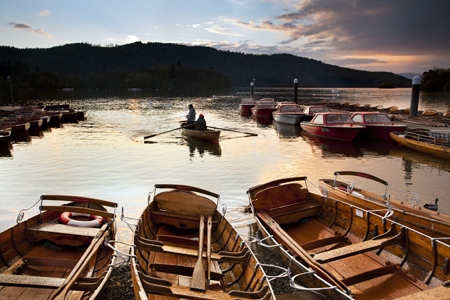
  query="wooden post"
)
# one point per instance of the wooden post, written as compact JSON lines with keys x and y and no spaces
{"x":295,"y":90}
{"x":415,"y":96}
{"x":10,"y":86}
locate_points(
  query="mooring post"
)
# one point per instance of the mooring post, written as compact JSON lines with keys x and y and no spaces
{"x":10,"y":86}
{"x":415,"y":96}
{"x":295,"y":89}
{"x":251,"y":87}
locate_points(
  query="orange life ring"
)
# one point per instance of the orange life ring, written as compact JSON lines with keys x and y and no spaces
{"x":65,"y":218}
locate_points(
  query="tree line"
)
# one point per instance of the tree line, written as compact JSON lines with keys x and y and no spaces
{"x":84,"y":62}
{"x":436,"y":80}
{"x":159,"y":77}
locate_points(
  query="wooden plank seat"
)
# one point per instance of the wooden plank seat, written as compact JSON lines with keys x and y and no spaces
{"x":309,"y":208}
{"x":181,"y":270}
{"x":223,"y":256}
{"x":82,"y":284}
{"x":61,"y":233}
{"x":324,"y":242}
{"x":154,"y":285}
{"x":378,"y":242}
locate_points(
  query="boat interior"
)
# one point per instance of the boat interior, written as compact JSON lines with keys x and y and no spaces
{"x":41,"y":258}
{"x":169,"y":238}
{"x":351,"y":248}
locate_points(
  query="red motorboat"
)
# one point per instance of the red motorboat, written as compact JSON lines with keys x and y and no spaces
{"x":311,"y":111}
{"x":337,"y":126}
{"x":378,"y":125}
{"x":246,"y":105}
{"x":264,"y":107}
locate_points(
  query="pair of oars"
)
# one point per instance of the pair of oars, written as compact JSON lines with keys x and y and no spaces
{"x":198,"y":276}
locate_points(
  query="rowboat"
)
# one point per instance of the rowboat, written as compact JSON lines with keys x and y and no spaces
{"x":336,"y":126}
{"x":288,"y":113}
{"x":208,"y":135}
{"x":5,"y":135}
{"x":350,"y":249}
{"x":168,"y":257}
{"x":378,"y":125}
{"x":49,"y":256}
{"x":410,"y":214}
{"x":433,"y":143}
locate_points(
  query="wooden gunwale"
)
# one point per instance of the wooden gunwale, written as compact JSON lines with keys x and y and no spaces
{"x":232,"y":262}
{"x":416,"y":249}
{"x":429,"y":222}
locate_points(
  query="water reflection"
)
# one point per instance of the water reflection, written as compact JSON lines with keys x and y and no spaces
{"x":262,"y":120}
{"x":417,"y":158}
{"x":286,"y":131}
{"x":332,"y":147}
{"x":5,"y":150}
{"x":202,"y":146}
{"x":368,"y":146}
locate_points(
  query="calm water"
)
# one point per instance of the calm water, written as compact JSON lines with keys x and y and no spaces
{"x":106,"y":157}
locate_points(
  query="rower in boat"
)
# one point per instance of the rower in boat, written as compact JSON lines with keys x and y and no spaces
{"x":200,"y":124}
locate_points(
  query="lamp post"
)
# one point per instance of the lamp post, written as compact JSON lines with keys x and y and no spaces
{"x":295,"y":90}
{"x":417,"y":80}
{"x":10,"y":86}
{"x":251,"y":86}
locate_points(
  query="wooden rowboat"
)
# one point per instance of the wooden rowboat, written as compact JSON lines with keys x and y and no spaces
{"x":350,"y":248}
{"x":410,"y":214}
{"x":205,"y":135}
{"x":169,"y":239}
{"x":43,"y":259}
{"x":433,"y":143}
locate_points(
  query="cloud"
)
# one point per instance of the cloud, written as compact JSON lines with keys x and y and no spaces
{"x":45,"y":13}
{"x":413,"y":28}
{"x":221,"y":30}
{"x":26,"y":26}
{"x":20,"y":25}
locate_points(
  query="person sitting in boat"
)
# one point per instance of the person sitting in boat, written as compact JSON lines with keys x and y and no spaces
{"x":191,"y":115}
{"x":200,"y":124}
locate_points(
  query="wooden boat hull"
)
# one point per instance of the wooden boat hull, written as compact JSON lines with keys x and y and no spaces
{"x":426,"y":221}
{"x":348,"y":247}
{"x":205,"y":135}
{"x":338,"y":132}
{"x":442,"y":150}
{"x":52,"y":259}
{"x":166,"y":248}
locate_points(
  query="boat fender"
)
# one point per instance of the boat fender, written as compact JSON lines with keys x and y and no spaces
{"x":65,"y":218}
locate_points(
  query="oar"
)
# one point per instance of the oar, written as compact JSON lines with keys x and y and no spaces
{"x":208,"y":249}
{"x":61,"y":292}
{"x":152,"y":135}
{"x":198,"y":276}
{"x":249,"y":133}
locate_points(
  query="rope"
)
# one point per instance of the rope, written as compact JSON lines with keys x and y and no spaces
{"x":22,"y":213}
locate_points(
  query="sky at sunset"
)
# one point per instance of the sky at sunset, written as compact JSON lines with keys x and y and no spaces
{"x":384,"y":35}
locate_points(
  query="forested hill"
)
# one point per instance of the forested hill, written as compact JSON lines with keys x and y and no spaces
{"x":277,"y":70}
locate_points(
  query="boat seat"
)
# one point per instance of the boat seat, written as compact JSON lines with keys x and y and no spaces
{"x":378,"y":242}
{"x":61,"y":233}
{"x":157,"y":246}
{"x":159,"y":286}
{"x":28,"y":280}
{"x":181,"y":270}
{"x":82,"y":284}
{"x":308,"y":207}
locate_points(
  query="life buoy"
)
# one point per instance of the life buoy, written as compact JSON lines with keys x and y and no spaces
{"x":65,"y":218}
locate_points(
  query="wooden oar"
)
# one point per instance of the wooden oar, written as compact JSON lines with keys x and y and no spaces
{"x":152,"y":135}
{"x":249,"y":133}
{"x":61,"y":292}
{"x":198,"y":276}
{"x":208,"y":250}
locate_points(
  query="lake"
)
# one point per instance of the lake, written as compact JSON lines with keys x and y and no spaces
{"x":105,"y":156}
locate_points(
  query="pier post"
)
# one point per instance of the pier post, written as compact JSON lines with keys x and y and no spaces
{"x":295,"y":90}
{"x":415,"y":96}
{"x":10,"y":86}
{"x":251,"y":87}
